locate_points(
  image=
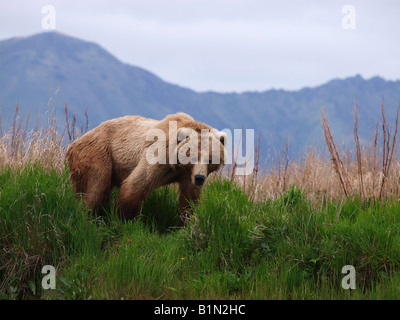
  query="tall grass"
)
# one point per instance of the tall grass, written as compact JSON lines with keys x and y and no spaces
{"x":45,"y":146}
{"x":40,"y":224}
{"x":368,"y":171}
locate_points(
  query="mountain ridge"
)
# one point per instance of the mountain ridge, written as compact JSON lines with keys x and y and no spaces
{"x":90,"y":77}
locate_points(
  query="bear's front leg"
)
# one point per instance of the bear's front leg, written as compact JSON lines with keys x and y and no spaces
{"x":133,"y":191}
{"x":129,"y":201}
{"x":188,"y":193}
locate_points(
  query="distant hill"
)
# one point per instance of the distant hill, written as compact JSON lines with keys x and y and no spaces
{"x":90,"y":77}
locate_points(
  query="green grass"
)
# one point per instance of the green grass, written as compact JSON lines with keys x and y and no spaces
{"x":232,"y":248}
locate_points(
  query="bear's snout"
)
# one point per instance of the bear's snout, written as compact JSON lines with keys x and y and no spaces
{"x":199,"y":179}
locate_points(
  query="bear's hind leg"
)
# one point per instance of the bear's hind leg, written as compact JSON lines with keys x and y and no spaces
{"x":98,"y":183}
{"x":98,"y":195}
{"x":91,"y":174}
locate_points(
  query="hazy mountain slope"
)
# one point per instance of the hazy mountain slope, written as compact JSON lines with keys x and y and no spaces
{"x":87,"y":75}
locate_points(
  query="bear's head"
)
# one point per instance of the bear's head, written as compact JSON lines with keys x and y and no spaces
{"x":200,"y":151}
{"x":191,"y":148}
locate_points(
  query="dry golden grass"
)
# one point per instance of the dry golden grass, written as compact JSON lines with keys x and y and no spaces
{"x":21,"y":147}
{"x":317,"y":176}
{"x":370,"y":171}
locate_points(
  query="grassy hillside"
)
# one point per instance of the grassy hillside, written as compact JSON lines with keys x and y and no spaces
{"x":281,"y":234}
{"x":286,"y":248}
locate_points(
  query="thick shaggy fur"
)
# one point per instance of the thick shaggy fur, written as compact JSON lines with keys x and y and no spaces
{"x":114,"y":154}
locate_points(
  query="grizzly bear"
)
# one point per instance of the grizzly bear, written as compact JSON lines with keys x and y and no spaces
{"x":138,"y":155}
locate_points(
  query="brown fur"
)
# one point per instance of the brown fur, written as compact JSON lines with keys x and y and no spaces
{"x":114,"y":154}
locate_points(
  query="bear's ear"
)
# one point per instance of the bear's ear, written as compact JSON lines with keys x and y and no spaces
{"x":184,"y":133}
{"x":220,"y":135}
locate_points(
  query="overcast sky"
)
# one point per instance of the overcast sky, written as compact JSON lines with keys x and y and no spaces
{"x":229,"y":45}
